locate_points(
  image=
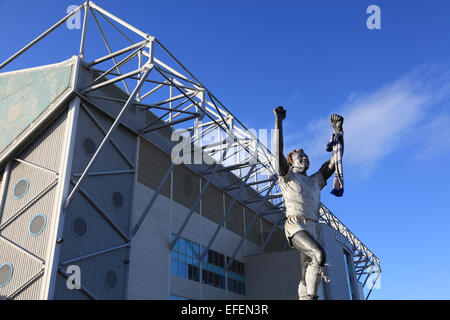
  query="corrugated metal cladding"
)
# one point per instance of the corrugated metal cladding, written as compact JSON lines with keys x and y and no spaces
{"x":186,"y":184}
{"x":153,"y":164}
{"x":30,"y":193}
{"x":98,"y":218}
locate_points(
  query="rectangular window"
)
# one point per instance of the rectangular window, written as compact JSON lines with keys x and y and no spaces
{"x":185,"y":264}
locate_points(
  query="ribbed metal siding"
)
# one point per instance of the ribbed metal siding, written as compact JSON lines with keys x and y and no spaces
{"x":106,"y":223}
{"x":186,"y":184}
{"x":212,"y":203}
{"x":255,"y":232}
{"x":108,"y":160}
{"x":45,"y":151}
{"x":153,"y":164}
{"x":277,"y":240}
{"x":235,"y":220}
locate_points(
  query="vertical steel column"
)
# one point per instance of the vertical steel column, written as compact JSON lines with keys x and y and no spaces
{"x":83,"y":32}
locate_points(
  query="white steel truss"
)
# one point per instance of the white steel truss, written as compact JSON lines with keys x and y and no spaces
{"x":154,"y":79}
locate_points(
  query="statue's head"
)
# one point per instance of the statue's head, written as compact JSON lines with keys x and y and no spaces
{"x":298,"y":161}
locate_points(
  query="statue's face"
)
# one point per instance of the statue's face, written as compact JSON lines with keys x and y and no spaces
{"x":300,"y":162}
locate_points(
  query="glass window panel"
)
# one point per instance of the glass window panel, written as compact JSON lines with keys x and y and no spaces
{"x":174,"y":267}
{"x":174,"y":255}
{"x":182,"y":246}
{"x":182,"y":270}
{"x":196,"y":249}
{"x":189,"y":248}
{"x":204,"y":276}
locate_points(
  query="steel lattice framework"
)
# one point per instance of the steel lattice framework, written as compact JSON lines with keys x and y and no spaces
{"x":143,"y":67}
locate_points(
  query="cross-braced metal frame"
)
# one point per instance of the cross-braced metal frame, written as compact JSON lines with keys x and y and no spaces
{"x":154,"y":79}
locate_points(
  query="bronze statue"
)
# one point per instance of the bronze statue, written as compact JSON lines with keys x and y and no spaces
{"x":301,"y":194}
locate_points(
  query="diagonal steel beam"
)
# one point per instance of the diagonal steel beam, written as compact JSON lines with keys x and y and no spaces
{"x":227,"y":213}
{"x":197,"y":201}
{"x":39,"y":38}
{"x":96,"y":253}
{"x":103,"y":130}
{"x":108,"y":135}
{"x":152,"y":200}
{"x":249,"y":227}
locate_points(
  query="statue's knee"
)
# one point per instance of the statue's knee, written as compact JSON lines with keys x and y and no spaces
{"x":320,"y":257}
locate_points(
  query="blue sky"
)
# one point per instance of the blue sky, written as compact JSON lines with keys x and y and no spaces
{"x":317,"y":58}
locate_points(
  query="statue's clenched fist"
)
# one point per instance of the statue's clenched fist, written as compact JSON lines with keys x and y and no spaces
{"x":279,"y":113}
{"x":336,"y":122}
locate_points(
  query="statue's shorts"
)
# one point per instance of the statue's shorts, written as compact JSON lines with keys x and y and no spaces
{"x":296,"y":223}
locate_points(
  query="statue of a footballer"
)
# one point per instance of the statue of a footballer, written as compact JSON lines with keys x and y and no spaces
{"x":301,"y":194}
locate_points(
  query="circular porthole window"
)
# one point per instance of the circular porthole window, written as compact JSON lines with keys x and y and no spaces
{"x":21,"y":188}
{"x":37,"y":225}
{"x":6,"y":272}
{"x":89,"y":146}
{"x":111,"y":280}
{"x":117,"y":199}
{"x":79,"y":227}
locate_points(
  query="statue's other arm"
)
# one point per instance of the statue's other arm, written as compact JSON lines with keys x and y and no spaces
{"x":280,"y":115}
{"x":328,"y":167}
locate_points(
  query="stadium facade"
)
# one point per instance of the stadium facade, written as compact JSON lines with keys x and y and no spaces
{"x":93,"y":207}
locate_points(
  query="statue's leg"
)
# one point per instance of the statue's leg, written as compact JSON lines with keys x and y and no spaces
{"x":302,"y":293}
{"x":306,"y":244}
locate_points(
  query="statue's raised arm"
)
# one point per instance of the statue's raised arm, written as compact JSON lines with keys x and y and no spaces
{"x":328,"y":168}
{"x":280,"y":115}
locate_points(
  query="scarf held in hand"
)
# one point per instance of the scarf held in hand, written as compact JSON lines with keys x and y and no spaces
{"x":336,"y":148}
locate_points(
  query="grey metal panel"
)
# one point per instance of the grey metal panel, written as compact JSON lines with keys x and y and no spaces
{"x":31,"y":292}
{"x":99,"y":235}
{"x":38,"y":181}
{"x":63,"y":293}
{"x":153,"y":164}
{"x":263,"y":282}
{"x":108,"y":160}
{"x":46,"y":149}
{"x":24,"y":268}
{"x":255,"y":232}
{"x":102,"y":189}
{"x":235,"y":220}
{"x":186,"y":184}
{"x":212,"y":203}
{"x":337,"y":289}
{"x":277,"y":240}
{"x":122,"y":136}
{"x":93,"y":273}
{"x":18,"y":231}
{"x":149,"y":255}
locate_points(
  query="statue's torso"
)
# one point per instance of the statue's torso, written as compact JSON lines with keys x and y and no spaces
{"x":301,"y":193}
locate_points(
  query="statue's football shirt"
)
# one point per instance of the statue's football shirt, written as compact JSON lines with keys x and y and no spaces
{"x":301,"y":194}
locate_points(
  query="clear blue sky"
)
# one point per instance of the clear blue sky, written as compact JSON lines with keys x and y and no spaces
{"x":315,"y":58}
